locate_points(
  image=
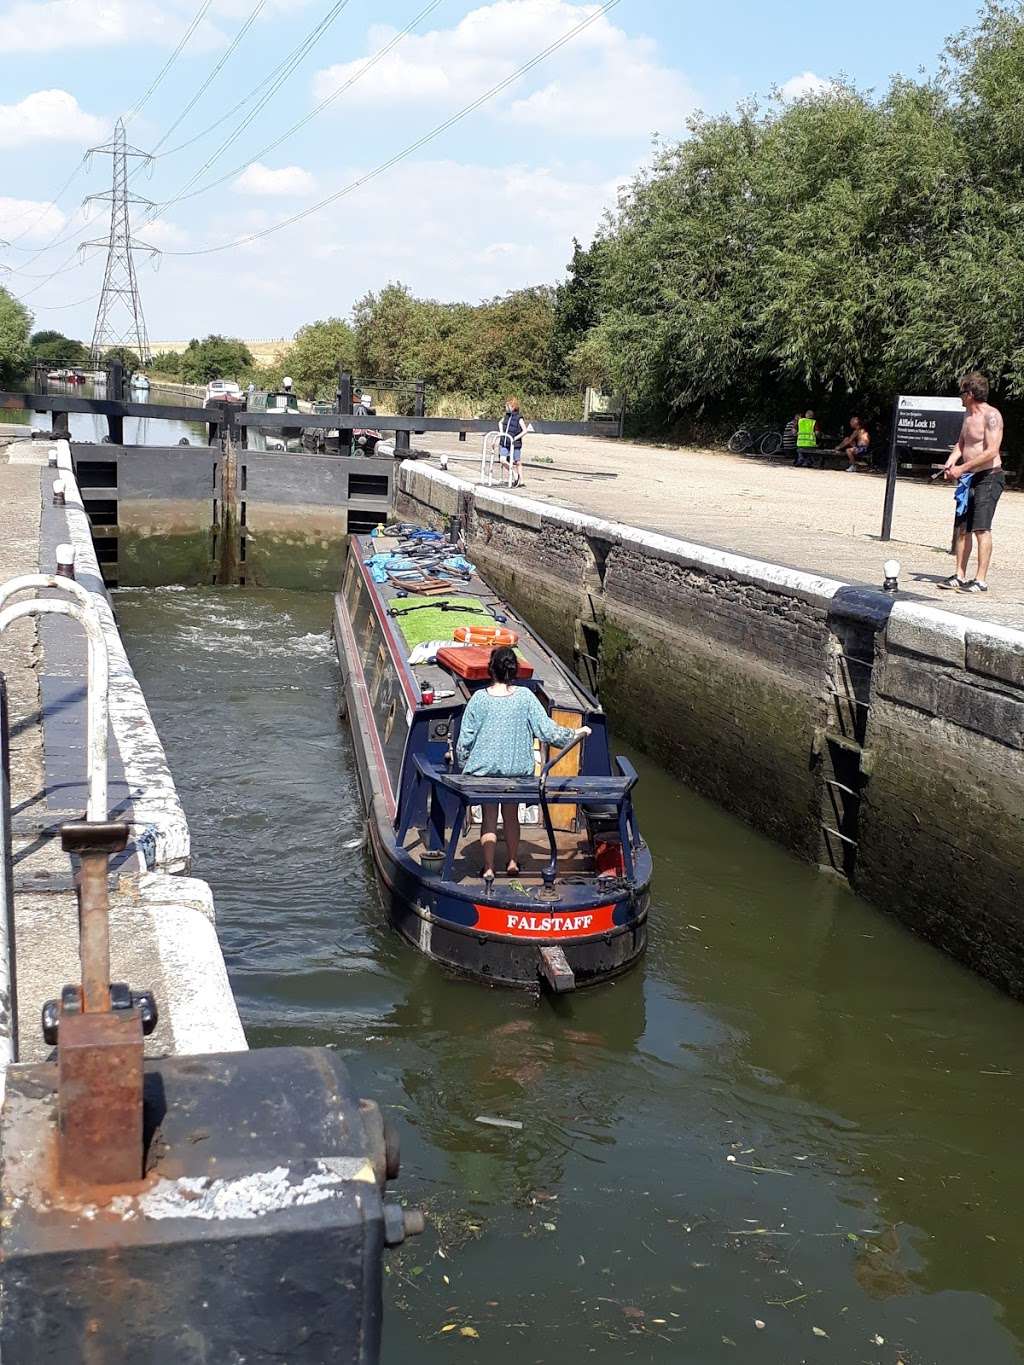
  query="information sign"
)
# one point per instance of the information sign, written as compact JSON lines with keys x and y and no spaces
{"x":928,"y":423}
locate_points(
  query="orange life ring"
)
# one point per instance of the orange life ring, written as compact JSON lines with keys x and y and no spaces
{"x":485,"y":635}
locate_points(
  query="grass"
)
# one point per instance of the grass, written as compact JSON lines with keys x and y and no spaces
{"x":432,"y":623}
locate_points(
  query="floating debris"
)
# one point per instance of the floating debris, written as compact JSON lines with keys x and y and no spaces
{"x":499,"y":1123}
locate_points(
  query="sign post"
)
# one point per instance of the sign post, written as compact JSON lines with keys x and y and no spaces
{"x":918,"y":423}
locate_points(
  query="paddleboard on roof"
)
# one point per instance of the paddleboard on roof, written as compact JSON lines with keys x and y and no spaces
{"x":414,"y":625}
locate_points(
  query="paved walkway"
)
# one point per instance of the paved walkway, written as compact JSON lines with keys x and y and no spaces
{"x":149,"y":914}
{"x":823,"y":521}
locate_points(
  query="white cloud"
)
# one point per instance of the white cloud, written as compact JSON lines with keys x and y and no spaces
{"x":47,"y":116}
{"x":266,"y":180}
{"x":514,"y":227}
{"x":161,"y":234}
{"x":49,"y":25}
{"x":607,"y":83}
{"x":807,"y":83}
{"x":30,"y":220}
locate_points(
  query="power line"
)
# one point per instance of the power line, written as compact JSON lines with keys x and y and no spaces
{"x":356,"y":76}
{"x":285,"y":70}
{"x":197,"y":19}
{"x":413,"y":146}
{"x":253,"y":16}
{"x":52,"y":204}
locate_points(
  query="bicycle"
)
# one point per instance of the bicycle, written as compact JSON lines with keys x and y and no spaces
{"x":763,"y":440}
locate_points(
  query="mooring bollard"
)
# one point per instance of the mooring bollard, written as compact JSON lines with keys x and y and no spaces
{"x":58,"y":493}
{"x":65,"y":555}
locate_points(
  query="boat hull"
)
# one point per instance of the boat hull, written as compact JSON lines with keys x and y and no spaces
{"x":446,"y":920}
{"x":423,"y":913}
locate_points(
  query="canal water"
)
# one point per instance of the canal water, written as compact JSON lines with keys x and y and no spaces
{"x":142,"y":431}
{"x":793,"y":1134}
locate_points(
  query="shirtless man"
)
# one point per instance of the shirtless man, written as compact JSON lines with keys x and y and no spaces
{"x":976,"y":453}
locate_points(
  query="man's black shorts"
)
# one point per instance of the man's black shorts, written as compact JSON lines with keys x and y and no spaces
{"x":986,"y":490}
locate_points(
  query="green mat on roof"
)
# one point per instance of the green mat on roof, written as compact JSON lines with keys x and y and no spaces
{"x":434,"y":624}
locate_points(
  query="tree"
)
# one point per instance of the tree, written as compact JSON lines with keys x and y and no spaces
{"x":318,"y":350}
{"x":577,"y":307}
{"x":167,"y":363}
{"x":128,"y":358}
{"x":15,"y":323}
{"x":54,"y":348}
{"x":832,"y":250}
{"x":216,"y":357}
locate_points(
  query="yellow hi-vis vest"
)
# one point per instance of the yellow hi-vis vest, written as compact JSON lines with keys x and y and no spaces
{"x":805,"y":436}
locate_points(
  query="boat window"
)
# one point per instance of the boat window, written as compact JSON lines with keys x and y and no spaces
{"x":389,"y":720}
{"x":351,"y":588}
{"x":378,"y":674}
{"x":365,"y":649}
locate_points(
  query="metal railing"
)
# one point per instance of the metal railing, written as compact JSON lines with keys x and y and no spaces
{"x":490,"y":451}
{"x":445,"y":826}
{"x":83,"y":610}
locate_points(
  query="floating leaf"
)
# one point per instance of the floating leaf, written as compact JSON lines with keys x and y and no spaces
{"x":468,"y":1332}
{"x":819,"y":1332}
{"x":549,"y":1227}
{"x":449,"y":1327}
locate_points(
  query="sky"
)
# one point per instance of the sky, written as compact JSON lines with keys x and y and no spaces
{"x":491,"y":203}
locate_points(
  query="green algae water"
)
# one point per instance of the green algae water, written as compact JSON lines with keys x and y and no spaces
{"x":792,"y":1134}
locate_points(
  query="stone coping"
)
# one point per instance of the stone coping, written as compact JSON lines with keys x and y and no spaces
{"x":993,"y":650}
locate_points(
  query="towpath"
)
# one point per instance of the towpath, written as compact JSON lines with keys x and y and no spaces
{"x":162,"y":933}
{"x":822,"y":521}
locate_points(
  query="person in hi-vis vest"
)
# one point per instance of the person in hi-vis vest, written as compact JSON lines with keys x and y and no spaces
{"x":807,"y":433}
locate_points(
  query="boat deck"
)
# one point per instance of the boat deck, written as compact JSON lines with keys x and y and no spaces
{"x":559,"y":685}
{"x":574,"y":855}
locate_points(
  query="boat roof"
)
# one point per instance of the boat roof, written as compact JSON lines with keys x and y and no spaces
{"x":471,"y":591}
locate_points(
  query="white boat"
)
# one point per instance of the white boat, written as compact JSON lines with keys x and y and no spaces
{"x":224,"y":391}
{"x":141,"y":382}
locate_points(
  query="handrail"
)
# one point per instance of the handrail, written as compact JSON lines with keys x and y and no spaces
{"x":97,"y":671}
{"x":560,"y":789}
{"x":542,"y":788}
{"x":8,"y":976}
{"x":550,"y":869}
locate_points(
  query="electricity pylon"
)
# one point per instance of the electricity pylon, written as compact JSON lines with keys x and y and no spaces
{"x":119,"y":319}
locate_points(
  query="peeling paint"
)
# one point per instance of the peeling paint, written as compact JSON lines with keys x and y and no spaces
{"x":251,"y":1196}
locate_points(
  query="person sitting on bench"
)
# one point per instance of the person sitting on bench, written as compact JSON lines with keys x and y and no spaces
{"x":857,"y":445}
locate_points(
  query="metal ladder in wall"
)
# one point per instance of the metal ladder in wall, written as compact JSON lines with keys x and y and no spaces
{"x":841,"y":745}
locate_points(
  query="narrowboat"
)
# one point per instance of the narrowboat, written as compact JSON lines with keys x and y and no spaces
{"x":576,"y":913}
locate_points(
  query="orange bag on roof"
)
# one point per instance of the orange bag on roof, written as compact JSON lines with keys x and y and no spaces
{"x":471,"y":663}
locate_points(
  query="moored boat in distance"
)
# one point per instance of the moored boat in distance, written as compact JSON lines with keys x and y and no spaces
{"x":223,"y":391}
{"x":283,"y":401}
{"x":576,"y":913}
{"x":140,"y":382}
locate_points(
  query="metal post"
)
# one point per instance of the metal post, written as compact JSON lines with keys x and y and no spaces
{"x":60,"y":425}
{"x":420,"y":401}
{"x":345,"y":407}
{"x":890,"y":476}
{"x":401,"y":442}
{"x":115,"y":390}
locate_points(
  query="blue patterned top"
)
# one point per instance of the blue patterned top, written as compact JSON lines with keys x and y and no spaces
{"x":497,"y":733}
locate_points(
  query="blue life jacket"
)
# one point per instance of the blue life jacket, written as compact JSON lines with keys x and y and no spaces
{"x":511,"y":425}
